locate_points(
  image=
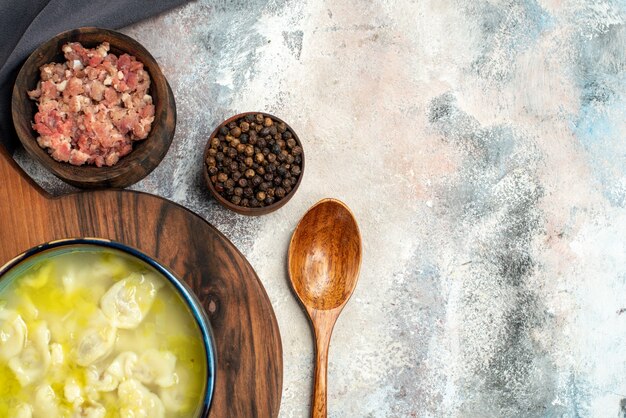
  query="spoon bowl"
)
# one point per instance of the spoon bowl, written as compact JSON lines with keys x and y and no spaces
{"x":324,"y":263}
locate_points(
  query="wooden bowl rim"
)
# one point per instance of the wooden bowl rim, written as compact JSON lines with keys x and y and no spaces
{"x":240,"y":209}
{"x":123,"y":173}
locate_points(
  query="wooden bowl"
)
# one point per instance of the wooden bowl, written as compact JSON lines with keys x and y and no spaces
{"x":146,"y":154}
{"x":247,"y":210}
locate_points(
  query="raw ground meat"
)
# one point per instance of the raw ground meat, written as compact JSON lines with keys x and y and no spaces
{"x":92,"y":107}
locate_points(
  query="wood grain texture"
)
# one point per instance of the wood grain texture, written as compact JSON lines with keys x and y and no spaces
{"x":324,"y":263}
{"x":249,"y":351}
{"x":146,"y":154}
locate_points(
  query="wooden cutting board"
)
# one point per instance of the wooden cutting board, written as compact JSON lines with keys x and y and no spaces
{"x":249,"y":351}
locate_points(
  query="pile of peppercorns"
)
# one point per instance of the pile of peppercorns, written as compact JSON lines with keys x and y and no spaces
{"x":254,"y":161}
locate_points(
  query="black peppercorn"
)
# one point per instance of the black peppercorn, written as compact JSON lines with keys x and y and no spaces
{"x":254,"y":161}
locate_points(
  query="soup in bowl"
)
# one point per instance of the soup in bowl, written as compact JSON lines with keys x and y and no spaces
{"x":92,"y":328}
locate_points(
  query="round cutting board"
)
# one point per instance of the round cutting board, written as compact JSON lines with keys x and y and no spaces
{"x":249,"y":351}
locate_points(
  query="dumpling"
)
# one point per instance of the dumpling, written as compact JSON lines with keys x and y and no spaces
{"x":156,"y":367}
{"x":90,"y":410}
{"x":97,"y":342}
{"x":120,"y":369}
{"x":46,"y":403}
{"x":34,"y":359}
{"x":12,"y":334}
{"x":138,"y":402}
{"x":23,"y":410}
{"x":73,"y":392}
{"x":97,"y":382}
{"x":127,"y":302}
{"x":179,"y":397}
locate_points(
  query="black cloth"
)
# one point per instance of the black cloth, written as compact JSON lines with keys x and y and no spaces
{"x":25,"y":24}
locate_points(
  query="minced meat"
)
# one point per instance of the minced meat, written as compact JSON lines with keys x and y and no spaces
{"x":93,"y":106}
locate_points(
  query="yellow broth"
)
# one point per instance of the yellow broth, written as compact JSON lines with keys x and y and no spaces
{"x":97,"y":333}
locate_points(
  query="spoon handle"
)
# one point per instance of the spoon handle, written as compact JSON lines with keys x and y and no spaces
{"x":323,"y":331}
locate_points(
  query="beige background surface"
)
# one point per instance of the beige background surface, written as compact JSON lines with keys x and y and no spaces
{"x":480,"y":145}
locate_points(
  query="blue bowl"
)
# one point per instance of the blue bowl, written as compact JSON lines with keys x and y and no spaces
{"x":26,"y":259}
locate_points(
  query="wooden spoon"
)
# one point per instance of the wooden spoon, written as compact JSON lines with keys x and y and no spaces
{"x":324,"y":262}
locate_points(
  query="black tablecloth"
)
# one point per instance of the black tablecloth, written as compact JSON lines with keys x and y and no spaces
{"x":25,"y":24}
